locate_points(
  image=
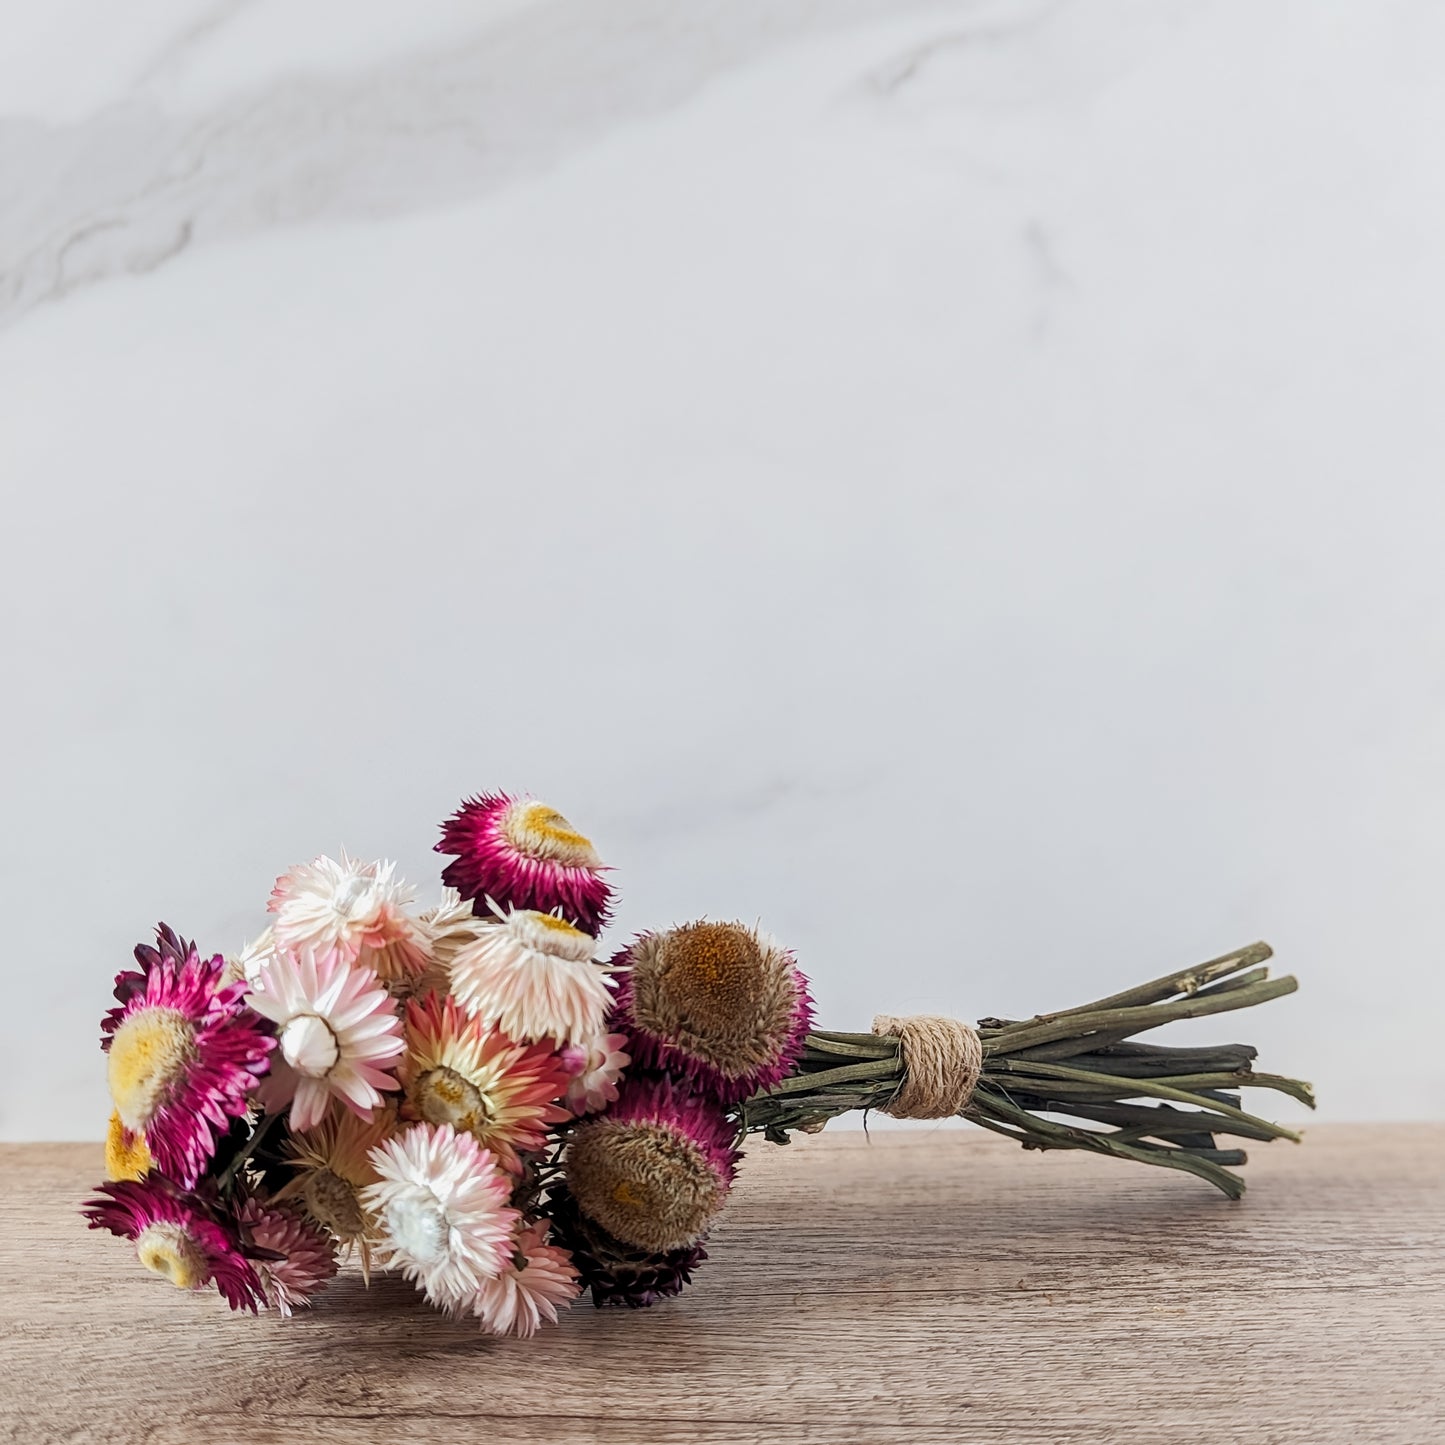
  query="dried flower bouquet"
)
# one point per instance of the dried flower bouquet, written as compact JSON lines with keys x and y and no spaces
{"x":472,"y":1094}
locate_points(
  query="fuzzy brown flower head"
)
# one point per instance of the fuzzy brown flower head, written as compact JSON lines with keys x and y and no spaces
{"x":719,"y":1004}
{"x":619,"y":1274}
{"x":655,"y":1169}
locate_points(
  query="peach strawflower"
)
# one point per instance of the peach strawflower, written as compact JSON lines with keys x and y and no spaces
{"x":535,"y":1280}
{"x":331,"y":1166}
{"x":457,"y":1071}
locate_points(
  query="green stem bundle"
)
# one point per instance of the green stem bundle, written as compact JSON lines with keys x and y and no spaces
{"x":1074,"y":1079}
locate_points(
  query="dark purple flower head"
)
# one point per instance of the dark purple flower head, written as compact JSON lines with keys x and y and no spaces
{"x":172,"y":948}
{"x":618,"y":1274}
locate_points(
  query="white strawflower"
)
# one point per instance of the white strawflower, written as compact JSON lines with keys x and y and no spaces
{"x":442,"y":1206}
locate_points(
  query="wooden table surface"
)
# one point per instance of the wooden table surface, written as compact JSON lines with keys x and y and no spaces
{"x":927,"y":1286}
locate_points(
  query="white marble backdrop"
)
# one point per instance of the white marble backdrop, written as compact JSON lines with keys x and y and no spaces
{"x":960,"y":481}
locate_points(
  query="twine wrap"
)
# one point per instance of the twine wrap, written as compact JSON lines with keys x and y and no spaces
{"x":942,"y":1059}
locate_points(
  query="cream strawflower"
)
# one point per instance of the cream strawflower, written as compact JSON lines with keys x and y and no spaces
{"x":442,"y":931}
{"x":330,"y":1166}
{"x":338,"y":1034}
{"x":442,"y":1205}
{"x":450,"y":926}
{"x":532,"y":975}
{"x":356,"y":909}
{"x":537,"y":1278}
{"x":247,"y":963}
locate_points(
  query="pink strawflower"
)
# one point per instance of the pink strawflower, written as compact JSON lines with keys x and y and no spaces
{"x":654,"y":1169}
{"x":176,"y":1237}
{"x":356,"y":909}
{"x":596,"y":1070}
{"x":442,"y":1205}
{"x":533,"y":976}
{"x":535,"y":1280}
{"x":722,"y":1005}
{"x":524,"y":854}
{"x":184,"y":1055}
{"x":308,"y":1255}
{"x":338,"y":1032}
{"x":458,"y":1071}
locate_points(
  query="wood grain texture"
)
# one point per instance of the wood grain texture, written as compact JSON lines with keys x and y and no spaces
{"x":927,"y":1286}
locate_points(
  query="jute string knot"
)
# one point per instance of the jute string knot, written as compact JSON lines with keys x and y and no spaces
{"x":942,"y":1059}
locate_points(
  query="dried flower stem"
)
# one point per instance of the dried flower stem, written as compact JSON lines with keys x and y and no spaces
{"x":1078,"y":1063}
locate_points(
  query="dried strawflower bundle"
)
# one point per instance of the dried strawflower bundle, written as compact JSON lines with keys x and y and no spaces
{"x":472,"y":1096}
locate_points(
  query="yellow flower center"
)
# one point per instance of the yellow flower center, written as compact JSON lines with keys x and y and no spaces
{"x":553,"y":924}
{"x":149,"y":1052}
{"x":540,"y":831}
{"x":127,"y":1155}
{"x":550,"y":935}
{"x":168,"y":1250}
{"x":443,"y":1096}
{"x":332,"y":1201}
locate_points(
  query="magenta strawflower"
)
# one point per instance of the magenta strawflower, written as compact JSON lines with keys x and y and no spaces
{"x":653,"y":1170}
{"x":523,"y":854}
{"x":720,"y":1004}
{"x":307,"y":1253}
{"x":185,"y":1053}
{"x":169,"y":945}
{"x":176,"y":1237}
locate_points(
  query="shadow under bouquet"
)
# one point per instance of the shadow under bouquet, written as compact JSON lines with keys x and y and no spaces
{"x":478,"y":1095}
